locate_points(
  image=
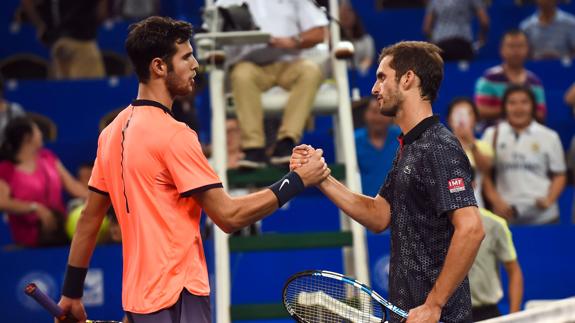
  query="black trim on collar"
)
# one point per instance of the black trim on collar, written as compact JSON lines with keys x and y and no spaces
{"x":93,"y":189}
{"x":151,"y":103}
{"x":200,"y":189}
{"x":423,"y":125}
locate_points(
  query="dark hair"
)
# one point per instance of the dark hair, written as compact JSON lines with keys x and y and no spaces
{"x":357,"y":30}
{"x":423,"y":59}
{"x":15,"y":133}
{"x":155,"y":37}
{"x":462,"y":99}
{"x":514,"y":88}
{"x":513,"y":32}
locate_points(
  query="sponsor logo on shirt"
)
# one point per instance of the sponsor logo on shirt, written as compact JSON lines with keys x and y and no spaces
{"x":456,"y":185}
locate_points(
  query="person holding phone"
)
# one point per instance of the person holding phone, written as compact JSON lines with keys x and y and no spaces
{"x":462,"y":115}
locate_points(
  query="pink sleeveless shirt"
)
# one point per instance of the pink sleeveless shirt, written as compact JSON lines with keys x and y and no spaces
{"x":42,"y":186}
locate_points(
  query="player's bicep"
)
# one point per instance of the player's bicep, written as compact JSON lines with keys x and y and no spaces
{"x":381,"y":205}
{"x":97,"y":204}
{"x":466,"y":219}
{"x":379,"y":213}
{"x":217,"y":204}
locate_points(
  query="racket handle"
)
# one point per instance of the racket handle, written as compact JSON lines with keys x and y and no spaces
{"x":33,"y":291}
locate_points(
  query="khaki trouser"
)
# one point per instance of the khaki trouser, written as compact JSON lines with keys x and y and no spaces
{"x":76,"y":59}
{"x":301,"y":77}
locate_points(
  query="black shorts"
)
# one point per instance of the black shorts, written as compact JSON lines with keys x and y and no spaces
{"x":188,"y":309}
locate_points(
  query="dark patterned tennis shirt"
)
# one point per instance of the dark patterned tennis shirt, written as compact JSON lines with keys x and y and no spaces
{"x":431,"y":176}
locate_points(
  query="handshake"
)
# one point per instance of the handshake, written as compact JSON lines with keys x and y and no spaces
{"x":309,"y":164}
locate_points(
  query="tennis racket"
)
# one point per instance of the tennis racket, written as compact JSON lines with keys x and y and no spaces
{"x":316,"y":296}
{"x":33,"y":291}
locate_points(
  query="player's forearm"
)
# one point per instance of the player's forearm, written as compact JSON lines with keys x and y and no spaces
{"x":251,"y":208}
{"x":460,"y":256}
{"x":84,"y":240}
{"x":515,"y":286}
{"x":558,"y":182}
{"x":361,"y":208}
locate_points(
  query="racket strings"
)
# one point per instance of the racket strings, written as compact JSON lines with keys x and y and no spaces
{"x":320,"y":299}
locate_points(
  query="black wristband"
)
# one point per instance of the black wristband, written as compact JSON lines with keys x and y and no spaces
{"x":287,"y":187}
{"x":74,"y":282}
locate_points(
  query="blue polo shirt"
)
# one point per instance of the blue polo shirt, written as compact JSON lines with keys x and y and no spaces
{"x":374,"y":163}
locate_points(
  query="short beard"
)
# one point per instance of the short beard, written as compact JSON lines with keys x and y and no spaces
{"x":390,"y":112}
{"x":174,"y":86}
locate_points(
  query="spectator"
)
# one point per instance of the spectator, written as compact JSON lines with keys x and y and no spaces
{"x":8,"y":111}
{"x":376,"y":145}
{"x":462,"y":117}
{"x":69,"y":28}
{"x":490,"y":87}
{"x":353,"y":31}
{"x":550,"y":31}
{"x":31,"y":183}
{"x":497,"y":248}
{"x":294,"y":25}
{"x":448,"y":24}
{"x":529,"y":163}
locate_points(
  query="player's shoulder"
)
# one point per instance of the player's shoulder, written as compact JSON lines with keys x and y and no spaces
{"x":440,"y":141}
{"x":444,"y":137}
{"x":178,"y":134}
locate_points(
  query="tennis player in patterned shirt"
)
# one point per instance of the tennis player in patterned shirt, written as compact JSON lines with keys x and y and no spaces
{"x":427,"y":198}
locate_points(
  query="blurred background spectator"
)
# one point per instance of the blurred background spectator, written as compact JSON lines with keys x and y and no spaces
{"x":376,"y":145}
{"x":490,"y":87}
{"x":32,"y":180}
{"x":496,"y":249}
{"x":353,"y":31}
{"x":550,"y":31}
{"x":8,"y":110}
{"x":529,"y":164}
{"x":69,"y":28}
{"x":447,"y":23}
{"x":462,"y":117}
{"x":293,"y":26}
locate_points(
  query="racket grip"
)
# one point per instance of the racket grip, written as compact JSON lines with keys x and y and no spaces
{"x":33,"y":291}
